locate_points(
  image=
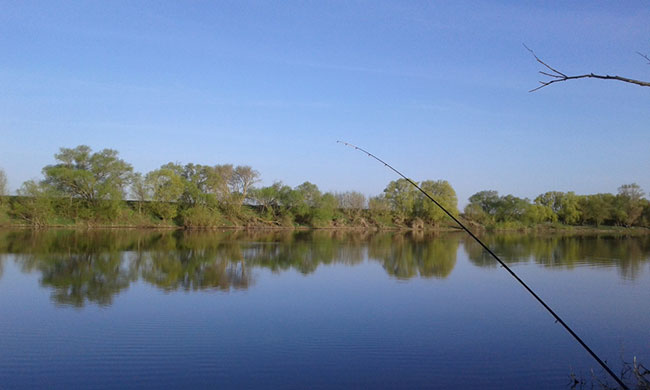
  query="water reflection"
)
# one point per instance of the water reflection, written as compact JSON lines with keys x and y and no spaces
{"x":627,"y":254}
{"x":407,"y":255}
{"x":94,"y":266}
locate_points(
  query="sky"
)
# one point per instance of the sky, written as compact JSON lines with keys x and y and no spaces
{"x":438,"y":89}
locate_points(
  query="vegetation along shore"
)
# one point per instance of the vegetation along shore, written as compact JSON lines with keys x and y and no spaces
{"x":98,"y":189}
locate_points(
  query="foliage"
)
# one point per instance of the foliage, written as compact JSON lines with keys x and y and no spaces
{"x":200,"y":217}
{"x":4,"y":207}
{"x":564,"y":205}
{"x":89,"y":176}
{"x":3,"y":184}
{"x":140,"y":191}
{"x":89,"y":188}
{"x":630,"y":204}
{"x":443,"y":193}
{"x":597,"y":208}
{"x":379,"y":210}
{"x":401,"y":196}
{"x":166,"y":188}
{"x":487,"y":201}
{"x":627,"y":208}
{"x":34,"y":204}
{"x":351,"y":203}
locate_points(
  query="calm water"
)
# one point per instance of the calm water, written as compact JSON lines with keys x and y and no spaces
{"x":107,"y":309}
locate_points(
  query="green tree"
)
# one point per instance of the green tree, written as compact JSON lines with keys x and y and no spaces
{"x":597,"y":208}
{"x":401,"y":196}
{"x":379,"y":209}
{"x":483,"y":207}
{"x":3,"y":192}
{"x":488,"y":201}
{"x":645,"y":215}
{"x":166,"y":188}
{"x":140,"y":191}
{"x":511,"y":208}
{"x":92,"y":177}
{"x":198,"y":184}
{"x":565,"y":205}
{"x":443,"y":193}
{"x":537,"y":213}
{"x":552,"y":199}
{"x":630,"y":203}
{"x":474,"y":212}
{"x":34,"y":203}
{"x":3,"y":184}
{"x":268,"y":198}
{"x":310,"y":193}
{"x":325,"y":210}
{"x":307,"y":198}
{"x":569,"y":212}
{"x":242,"y":180}
{"x":219,"y":179}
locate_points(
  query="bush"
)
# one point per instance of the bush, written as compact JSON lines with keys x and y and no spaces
{"x":200,"y":217}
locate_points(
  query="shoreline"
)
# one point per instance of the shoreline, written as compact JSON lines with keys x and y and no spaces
{"x":568,"y":229}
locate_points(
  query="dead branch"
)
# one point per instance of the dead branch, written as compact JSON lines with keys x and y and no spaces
{"x":644,"y":56}
{"x":557,"y":76}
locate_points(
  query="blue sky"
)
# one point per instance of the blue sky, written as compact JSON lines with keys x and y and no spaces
{"x":438,"y":89}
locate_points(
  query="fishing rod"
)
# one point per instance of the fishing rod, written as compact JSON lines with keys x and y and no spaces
{"x":503,"y":264}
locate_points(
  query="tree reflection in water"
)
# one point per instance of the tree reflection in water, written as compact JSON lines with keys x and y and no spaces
{"x":94,"y":266}
{"x":627,"y":253}
{"x":416,"y":254}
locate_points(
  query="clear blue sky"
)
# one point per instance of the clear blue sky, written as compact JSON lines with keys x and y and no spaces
{"x":438,"y":89}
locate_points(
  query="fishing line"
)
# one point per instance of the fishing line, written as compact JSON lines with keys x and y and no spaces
{"x":504,"y":265}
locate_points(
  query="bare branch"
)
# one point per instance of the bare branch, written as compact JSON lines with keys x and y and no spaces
{"x":644,"y":56}
{"x":558,"y":76}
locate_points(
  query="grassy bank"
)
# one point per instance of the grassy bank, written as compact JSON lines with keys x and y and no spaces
{"x":17,"y":211}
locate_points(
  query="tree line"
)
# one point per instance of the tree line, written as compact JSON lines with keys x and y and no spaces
{"x":627,"y":208}
{"x":84,"y":187}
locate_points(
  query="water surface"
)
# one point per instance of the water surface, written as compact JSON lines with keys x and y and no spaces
{"x":132,"y":309}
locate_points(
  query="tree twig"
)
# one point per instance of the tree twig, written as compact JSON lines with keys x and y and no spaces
{"x":644,"y":56}
{"x":558,"y":76}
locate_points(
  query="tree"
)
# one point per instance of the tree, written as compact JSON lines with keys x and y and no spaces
{"x":565,"y":205}
{"x":310,"y":193}
{"x":3,"y":184}
{"x":166,"y":188}
{"x":268,"y":197}
{"x":645,"y":216}
{"x":630,"y":204}
{"x":485,"y":201}
{"x":552,"y":199}
{"x":243,"y":179}
{"x":325,"y":210}
{"x":474,"y":212}
{"x":219,"y":179}
{"x":443,"y":193}
{"x":511,"y":208}
{"x":92,"y":177}
{"x":34,"y":204}
{"x":140,"y":191}
{"x":401,"y":195}
{"x":537,"y":213}
{"x":569,"y":212}
{"x":352,"y":203}
{"x":379,"y":209}
{"x":597,"y":208}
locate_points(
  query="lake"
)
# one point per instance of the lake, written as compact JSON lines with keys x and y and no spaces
{"x":315,"y":309}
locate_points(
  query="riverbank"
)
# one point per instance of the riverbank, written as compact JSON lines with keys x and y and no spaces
{"x":26,"y":212}
{"x":534,"y":230}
